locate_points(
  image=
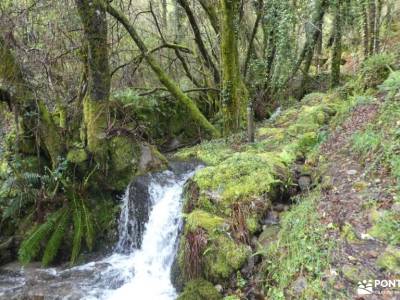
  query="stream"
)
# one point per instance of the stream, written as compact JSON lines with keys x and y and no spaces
{"x":140,"y":265}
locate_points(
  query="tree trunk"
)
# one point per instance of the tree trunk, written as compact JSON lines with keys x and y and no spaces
{"x":337,"y":46}
{"x":34,"y":131}
{"x":170,"y":85}
{"x":372,"y":19}
{"x":377,"y":41}
{"x":234,"y":94}
{"x":95,"y":112}
{"x":212,"y":14}
{"x":366,"y":36}
{"x":314,"y":34}
{"x":199,"y":41}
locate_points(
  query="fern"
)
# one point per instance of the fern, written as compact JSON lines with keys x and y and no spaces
{"x":30,"y":247}
{"x":56,"y":238}
{"x":88,"y":224}
{"x":78,"y":233}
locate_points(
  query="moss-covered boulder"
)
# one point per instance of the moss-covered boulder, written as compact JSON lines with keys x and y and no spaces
{"x":200,"y":289}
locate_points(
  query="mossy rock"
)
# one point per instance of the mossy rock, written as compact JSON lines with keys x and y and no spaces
{"x":390,"y":260}
{"x":269,"y":234}
{"x":200,"y":289}
{"x":125,"y":153}
{"x":243,"y":175}
{"x":151,"y":159}
{"x":199,"y":218}
{"x":223,"y":257}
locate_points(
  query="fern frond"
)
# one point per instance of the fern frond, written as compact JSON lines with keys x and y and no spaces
{"x":88,"y":225}
{"x":30,"y":247}
{"x":56,"y":238}
{"x":78,"y":233}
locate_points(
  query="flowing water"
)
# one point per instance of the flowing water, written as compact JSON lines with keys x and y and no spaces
{"x":140,"y":265}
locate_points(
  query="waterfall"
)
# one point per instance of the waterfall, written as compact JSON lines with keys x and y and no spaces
{"x":140,"y":265}
{"x":151,"y":263}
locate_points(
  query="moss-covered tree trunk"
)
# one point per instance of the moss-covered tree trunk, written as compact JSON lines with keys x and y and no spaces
{"x":314,"y":34}
{"x":95,"y":104}
{"x":234,"y":93}
{"x":166,"y":80}
{"x":337,"y":46}
{"x":37,"y":130}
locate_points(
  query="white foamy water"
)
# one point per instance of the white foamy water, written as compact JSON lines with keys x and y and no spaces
{"x":151,"y":264}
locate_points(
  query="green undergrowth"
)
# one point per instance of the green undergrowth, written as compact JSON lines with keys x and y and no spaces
{"x":378,"y":146}
{"x":226,"y":200}
{"x":301,"y":250}
{"x":379,"y":143}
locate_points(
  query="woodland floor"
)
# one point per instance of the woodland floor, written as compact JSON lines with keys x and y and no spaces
{"x":354,"y":183}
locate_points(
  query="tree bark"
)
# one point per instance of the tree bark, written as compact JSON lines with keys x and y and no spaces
{"x":314,"y":35}
{"x":211,"y":11}
{"x":234,"y":94}
{"x":40,"y":131}
{"x":95,"y":112}
{"x":337,"y":46}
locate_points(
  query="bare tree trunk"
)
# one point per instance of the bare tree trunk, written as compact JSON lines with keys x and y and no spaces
{"x":199,"y":41}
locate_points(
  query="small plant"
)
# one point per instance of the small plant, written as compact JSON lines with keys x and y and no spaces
{"x":366,"y":142}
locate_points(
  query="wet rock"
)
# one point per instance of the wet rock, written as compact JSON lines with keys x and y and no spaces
{"x":272,"y":218}
{"x":248,"y":268}
{"x":139,"y":210}
{"x":299,"y":285}
{"x":268,"y":235}
{"x":304,"y":182}
{"x":151,"y":159}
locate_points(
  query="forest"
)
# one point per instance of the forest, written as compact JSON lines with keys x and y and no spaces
{"x":199,"y":149}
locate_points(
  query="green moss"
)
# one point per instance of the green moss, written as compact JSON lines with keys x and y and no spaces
{"x":210,"y":153}
{"x":387,"y":227}
{"x":77,"y":156}
{"x":95,"y":119}
{"x":124,"y":153}
{"x":349,"y":234}
{"x":390,"y":260}
{"x":242,"y":175}
{"x":223,"y":257}
{"x":199,"y":218}
{"x":355,"y":274}
{"x":199,"y":289}
{"x":252,"y":224}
